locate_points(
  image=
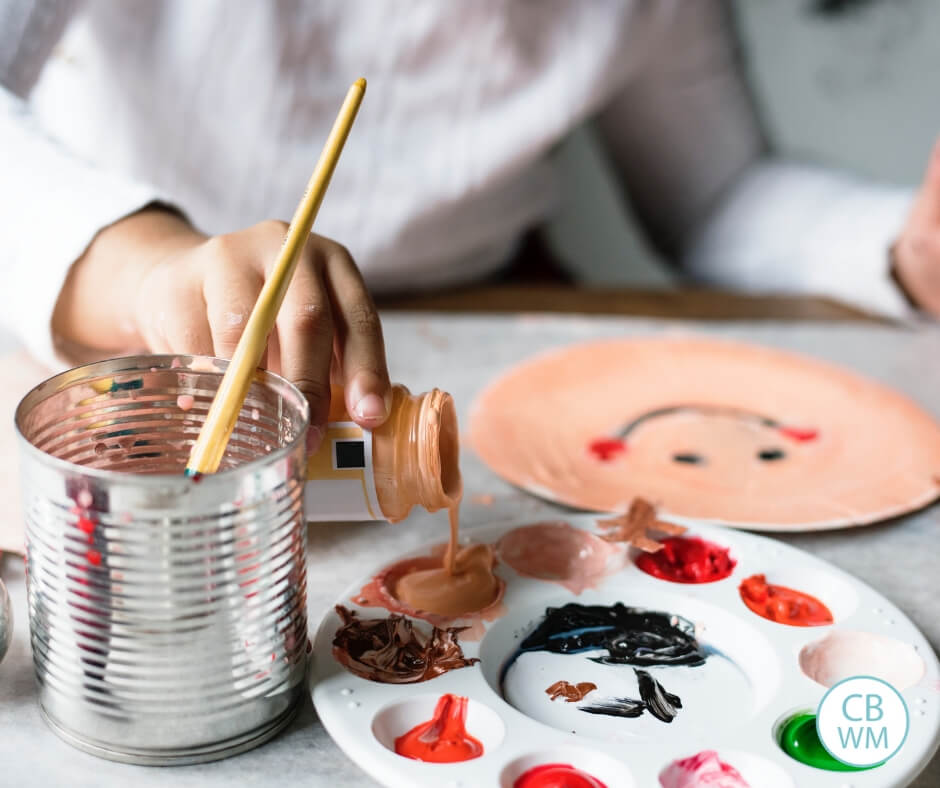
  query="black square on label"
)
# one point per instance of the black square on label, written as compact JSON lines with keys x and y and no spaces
{"x":350,"y":454}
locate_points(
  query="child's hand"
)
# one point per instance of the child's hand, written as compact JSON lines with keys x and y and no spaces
{"x":152,"y":280}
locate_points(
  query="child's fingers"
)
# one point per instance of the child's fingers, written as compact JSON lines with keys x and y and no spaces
{"x":359,"y":338}
{"x":230,"y":292}
{"x":305,"y":342}
{"x":185,"y":327}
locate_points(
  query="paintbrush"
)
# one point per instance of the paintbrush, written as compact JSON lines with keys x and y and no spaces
{"x":207,"y":451}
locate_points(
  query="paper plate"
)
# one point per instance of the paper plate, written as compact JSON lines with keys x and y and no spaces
{"x":724,"y":432}
{"x":734,"y":703}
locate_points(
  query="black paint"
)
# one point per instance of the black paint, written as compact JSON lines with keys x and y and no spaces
{"x":616,"y":707}
{"x":771,"y":455}
{"x":631,"y":636}
{"x":661,"y":704}
{"x":689,"y":458}
{"x":656,"y":700}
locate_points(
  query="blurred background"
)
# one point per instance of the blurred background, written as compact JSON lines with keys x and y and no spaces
{"x":856,"y":88}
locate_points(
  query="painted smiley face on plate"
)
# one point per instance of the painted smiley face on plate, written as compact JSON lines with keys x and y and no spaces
{"x":734,"y":433}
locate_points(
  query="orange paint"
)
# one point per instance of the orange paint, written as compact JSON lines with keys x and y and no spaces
{"x":443,"y":738}
{"x":783,"y":605}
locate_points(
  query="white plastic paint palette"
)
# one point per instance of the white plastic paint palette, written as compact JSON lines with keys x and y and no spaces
{"x":735,"y":703}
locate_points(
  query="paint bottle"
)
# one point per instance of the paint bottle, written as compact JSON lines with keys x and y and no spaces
{"x":411,"y":460}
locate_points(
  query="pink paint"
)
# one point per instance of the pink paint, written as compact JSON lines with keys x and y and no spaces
{"x":605,"y":449}
{"x":702,"y":769}
{"x":255,"y":414}
{"x":799,"y":434}
{"x":84,"y":499}
{"x":560,"y":553}
{"x":185,"y":401}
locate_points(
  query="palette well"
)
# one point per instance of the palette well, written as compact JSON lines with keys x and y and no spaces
{"x":710,"y":678}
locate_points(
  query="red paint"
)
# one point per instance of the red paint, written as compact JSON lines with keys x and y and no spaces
{"x":605,"y":449}
{"x":688,"y":560}
{"x":443,"y":738}
{"x":800,"y":434}
{"x":94,"y":557}
{"x":86,"y":525}
{"x":783,"y":605}
{"x":556,"y":775}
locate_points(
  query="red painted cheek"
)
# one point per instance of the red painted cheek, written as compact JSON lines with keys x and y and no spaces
{"x":443,"y":738}
{"x":799,"y":434}
{"x":605,"y":449}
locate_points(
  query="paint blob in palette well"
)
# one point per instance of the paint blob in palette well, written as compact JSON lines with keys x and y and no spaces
{"x":798,"y":739}
{"x":782,"y":604}
{"x":558,"y":552}
{"x":688,"y":560}
{"x":557,"y":775}
{"x":845,"y":653}
{"x":390,"y":650}
{"x":702,"y":769}
{"x":572,"y":693}
{"x":443,"y":738}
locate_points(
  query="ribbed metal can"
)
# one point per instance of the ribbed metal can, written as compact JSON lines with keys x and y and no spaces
{"x":167,"y":614}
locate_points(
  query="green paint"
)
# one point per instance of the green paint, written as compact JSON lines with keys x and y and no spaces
{"x":800,"y":741}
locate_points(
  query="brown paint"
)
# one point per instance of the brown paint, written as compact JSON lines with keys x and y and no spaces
{"x":572,"y":693}
{"x":390,"y":650}
{"x":632,"y":527}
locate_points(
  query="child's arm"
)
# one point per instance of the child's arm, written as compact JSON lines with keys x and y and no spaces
{"x":151,"y":280}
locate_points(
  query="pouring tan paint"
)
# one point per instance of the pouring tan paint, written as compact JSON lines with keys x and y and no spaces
{"x":411,"y":460}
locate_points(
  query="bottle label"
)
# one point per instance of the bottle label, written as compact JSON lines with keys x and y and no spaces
{"x":340,"y":482}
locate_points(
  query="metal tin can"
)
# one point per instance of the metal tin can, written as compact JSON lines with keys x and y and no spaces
{"x":167,"y":614}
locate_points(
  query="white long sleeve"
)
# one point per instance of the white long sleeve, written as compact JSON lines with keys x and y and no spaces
{"x":795,"y":228}
{"x":52,"y":202}
{"x":695,"y":164}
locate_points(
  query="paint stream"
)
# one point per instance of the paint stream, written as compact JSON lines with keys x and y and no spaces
{"x":783,"y":605}
{"x":560,"y":553}
{"x":663,"y":705}
{"x":631,"y":636}
{"x":688,"y":560}
{"x":443,"y":738}
{"x":572,"y":693}
{"x":390,"y":650}
{"x":799,"y":740}
{"x":556,"y":775}
{"x":702,"y":769}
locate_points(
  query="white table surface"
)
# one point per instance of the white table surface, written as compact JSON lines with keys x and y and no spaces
{"x":461,"y":354}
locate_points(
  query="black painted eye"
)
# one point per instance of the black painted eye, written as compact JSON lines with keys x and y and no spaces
{"x":771,"y":455}
{"x":689,"y":458}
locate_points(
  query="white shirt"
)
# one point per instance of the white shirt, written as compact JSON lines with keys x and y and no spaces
{"x":221,"y":108}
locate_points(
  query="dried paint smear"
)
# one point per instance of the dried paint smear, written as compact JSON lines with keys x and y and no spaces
{"x":390,"y":650}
